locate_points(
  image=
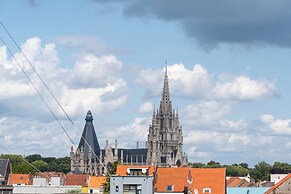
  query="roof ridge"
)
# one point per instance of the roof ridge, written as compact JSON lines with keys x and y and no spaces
{"x":279,"y":183}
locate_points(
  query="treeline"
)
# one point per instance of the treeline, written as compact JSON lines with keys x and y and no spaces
{"x":261,"y":171}
{"x":44,"y":164}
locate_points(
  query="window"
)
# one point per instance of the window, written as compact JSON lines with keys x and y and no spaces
{"x":132,"y":189}
{"x":207,"y":190}
{"x":170,"y":188}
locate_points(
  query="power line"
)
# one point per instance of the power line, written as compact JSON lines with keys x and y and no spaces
{"x":38,"y":92}
{"x":46,"y":175}
{"x":46,"y":86}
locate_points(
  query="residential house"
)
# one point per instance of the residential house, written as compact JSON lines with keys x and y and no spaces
{"x":237,"y":182}
{"x":195,"y":180}
{"x":275,"y":178}
{"x":20,"y":179}
{"x":247,"y":190}
{"x":78,"y":180}
{"x":41,"y":185}
{"x":4,"y":189}
{"x":132,"y":179}
{"x":5,"y":170}
{"x":282,"y":187}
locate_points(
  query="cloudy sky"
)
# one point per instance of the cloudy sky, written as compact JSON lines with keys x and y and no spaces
{"x":228,"y":63}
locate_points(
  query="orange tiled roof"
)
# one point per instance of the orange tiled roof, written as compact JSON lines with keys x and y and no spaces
{"x":171,"y":176}
{"x":20,"y":179}
{"x":77,"y":179}
{"x":213,"y":178}
{"x":193,"y":178}
{"x":278,"y":184}
{"x":230,"y":180}
{"x":96,"y":181}
{"x":235,"y":183}
{"x":121,"y":169}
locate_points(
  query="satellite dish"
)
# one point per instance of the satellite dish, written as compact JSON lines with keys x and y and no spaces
{"x":195,"y":191}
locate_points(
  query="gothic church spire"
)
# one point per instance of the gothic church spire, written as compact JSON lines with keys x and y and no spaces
{"x":165,"y":103}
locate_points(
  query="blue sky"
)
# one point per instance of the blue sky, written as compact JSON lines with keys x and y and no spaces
{"x":228,"y":64}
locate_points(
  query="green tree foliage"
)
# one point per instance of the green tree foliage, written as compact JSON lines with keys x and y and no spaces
{"x":261,"y":171}
{"x":19,"y":166}
{"x":213,"y":164}
{"x":111,"y":170}
{"x":40,"y":165}
{"x":197,"y":165}
{"x":236,"y":170}
{"x":281,"y":168}
{"x":34,"y":157}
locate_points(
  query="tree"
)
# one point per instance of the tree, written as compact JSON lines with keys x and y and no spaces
{"x":281,"y":168}
{"x":111,"y":171}
{"x":261,"y":171}
{"x":244,"y":165}
{"x":198,"y":165}
{"x":19,"y":165}
{"x":40,"y":165}
{"x":236,"y":170}
{"x":213,"y":164}
{"x":34,"y":157}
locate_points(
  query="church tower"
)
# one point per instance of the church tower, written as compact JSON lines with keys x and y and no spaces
{"x":165,"y":139}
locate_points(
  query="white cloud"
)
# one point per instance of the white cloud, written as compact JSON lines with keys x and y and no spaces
{"x":234,"y":125}
{"x":87,"y":44}
{"x":243,"y":88}
{"x":146,"y":107}
{"x":78,"y":89}
{"x":10,"y":89}
{"x":128,"y":134}
{"x":206,"y":112}
{"x":93,"y":71}
{"x":190,"y":83}
{"x":279,"y":126}
{"x":199,"y":83}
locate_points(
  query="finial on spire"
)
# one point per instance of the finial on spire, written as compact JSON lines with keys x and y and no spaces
{"x":89,"y":116}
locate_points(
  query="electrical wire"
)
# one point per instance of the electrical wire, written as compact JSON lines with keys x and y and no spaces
{"x":46,"y":86}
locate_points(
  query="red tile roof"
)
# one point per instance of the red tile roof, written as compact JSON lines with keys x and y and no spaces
{"x":121,"y":169}
{"x":278,"y":184}
{"x":77,"y":179}
{"x":20,"y":179}
{"x":193,"y":178}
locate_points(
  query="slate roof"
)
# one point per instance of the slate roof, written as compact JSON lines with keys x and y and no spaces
{"x":25,"y":179}
{"x":193,"y":178}
{"x":89,"y":135}
{"x":3,"y":167}
{"x":138,"y":155}
{"x":133,"y":155}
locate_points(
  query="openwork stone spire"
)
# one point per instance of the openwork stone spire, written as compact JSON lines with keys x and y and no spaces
{"x":165,"y":139}
{"x":165,"y":104}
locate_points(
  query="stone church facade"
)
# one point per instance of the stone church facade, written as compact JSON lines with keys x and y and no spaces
{"x":164,"y":146}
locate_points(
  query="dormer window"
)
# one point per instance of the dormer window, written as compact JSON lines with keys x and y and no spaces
{"x":206,"y":190}
{"x":170,"y":188}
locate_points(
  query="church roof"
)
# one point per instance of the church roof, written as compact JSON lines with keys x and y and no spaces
{"x":89,"y":136}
